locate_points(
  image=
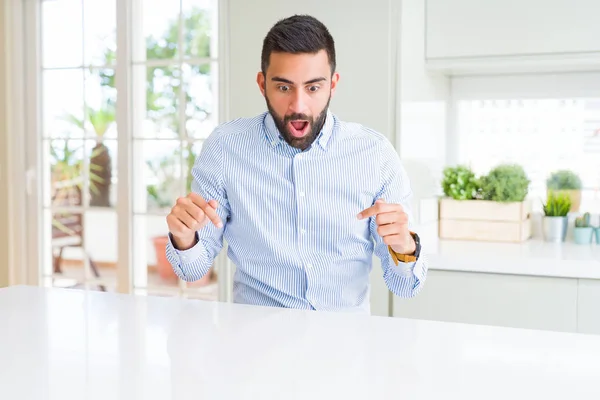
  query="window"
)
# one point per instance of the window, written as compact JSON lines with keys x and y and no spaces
{"x":93,"y":130}
{"x":541,"y":134}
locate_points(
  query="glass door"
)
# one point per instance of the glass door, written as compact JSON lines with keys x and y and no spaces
{"x":126,"y":93}
{"x":174,"y":70}
{"x":78,"y":142}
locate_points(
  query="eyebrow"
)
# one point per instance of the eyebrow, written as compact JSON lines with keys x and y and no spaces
{"x":283,"y":80}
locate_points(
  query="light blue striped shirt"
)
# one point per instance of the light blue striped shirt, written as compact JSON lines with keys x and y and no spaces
{"x":290,"y":216}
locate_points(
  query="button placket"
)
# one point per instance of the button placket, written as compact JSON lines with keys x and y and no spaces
{"x":301,"y":194}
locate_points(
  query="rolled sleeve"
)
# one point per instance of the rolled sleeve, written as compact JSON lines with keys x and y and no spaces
{"x":190,"y":264}
{"x":406,"y":279}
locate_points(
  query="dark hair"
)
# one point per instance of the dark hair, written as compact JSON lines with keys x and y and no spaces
{"x":298,"y":34}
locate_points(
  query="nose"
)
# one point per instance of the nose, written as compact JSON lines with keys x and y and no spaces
{"x":298,"y":102}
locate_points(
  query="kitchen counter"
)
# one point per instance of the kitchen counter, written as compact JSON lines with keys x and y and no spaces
{"x":533,"y":257}
{"x":69,"y":344}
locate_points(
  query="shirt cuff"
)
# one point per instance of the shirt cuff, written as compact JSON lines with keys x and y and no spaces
{"x":407,"y":269}
{"x":187,"y":256}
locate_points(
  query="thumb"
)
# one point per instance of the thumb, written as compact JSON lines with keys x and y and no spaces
{"x":214,"y":204}
{"x":380,"y":201}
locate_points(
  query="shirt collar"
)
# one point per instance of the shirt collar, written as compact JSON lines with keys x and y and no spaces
{"x":274,"y":137}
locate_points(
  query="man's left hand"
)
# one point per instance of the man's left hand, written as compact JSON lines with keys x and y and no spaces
{"x":392,"y":226}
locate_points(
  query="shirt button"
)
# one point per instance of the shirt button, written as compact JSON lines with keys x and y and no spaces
{"x":309,"y":266}
{"x":303,"y":231}
{"x":301,"y":194}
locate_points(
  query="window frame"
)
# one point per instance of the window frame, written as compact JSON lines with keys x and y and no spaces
{"x":584,"y":84}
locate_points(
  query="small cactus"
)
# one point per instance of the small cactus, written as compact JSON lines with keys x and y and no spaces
{"x":583,"y":221}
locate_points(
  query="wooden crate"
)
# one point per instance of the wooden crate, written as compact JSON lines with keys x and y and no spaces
{"x":485,"y":220}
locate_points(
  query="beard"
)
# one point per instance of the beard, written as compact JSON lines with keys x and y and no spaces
{"x":315,"y":126}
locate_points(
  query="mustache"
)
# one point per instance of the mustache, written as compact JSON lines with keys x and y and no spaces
{"x":296,"y":116}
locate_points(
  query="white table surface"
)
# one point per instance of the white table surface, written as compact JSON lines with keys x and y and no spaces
{"x":69,"y":344}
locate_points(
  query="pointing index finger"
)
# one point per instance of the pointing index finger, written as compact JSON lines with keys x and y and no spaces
{"x":208,"y":209}
{"x":369,"y":212}
{"x":380,"y":206}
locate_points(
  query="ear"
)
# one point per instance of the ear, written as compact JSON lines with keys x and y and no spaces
{"x":334,"y":81}
{"x":260,"y":80}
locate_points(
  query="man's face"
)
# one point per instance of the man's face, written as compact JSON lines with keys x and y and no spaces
{"x":297,"y":88}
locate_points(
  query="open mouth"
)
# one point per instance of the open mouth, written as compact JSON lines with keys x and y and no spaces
{"x":298,"y":128}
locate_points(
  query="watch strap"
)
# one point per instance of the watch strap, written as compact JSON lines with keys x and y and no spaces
{"x":406,"y":257}
{"x":401,"y":257}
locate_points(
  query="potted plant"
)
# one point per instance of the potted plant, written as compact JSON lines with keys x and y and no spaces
{"x":491,"y":208}
{"x":565,"y":181}
{"x":555,"y":216}
{"x":505,"y":183}
{"x":460,"y":183}
{"x":583,"y":231}
{"x":99,"y":121}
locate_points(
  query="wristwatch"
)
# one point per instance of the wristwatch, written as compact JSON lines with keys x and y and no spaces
{"x":410,"y":257}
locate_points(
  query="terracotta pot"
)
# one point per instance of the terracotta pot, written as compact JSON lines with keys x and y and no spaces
{"x":162,"y":264}
{"x":165,"y":270}
{"x":100,"y":189}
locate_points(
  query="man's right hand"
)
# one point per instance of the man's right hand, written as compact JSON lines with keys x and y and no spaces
{"x":190,"y":214}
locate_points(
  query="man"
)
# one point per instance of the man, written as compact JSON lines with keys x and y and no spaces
{"x":299,"y":195}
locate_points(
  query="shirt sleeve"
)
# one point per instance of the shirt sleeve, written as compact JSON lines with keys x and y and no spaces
{"x":404,"y":279}
{"x":207,"y":172}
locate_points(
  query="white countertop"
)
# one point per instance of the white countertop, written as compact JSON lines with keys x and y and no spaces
{"x":67,"y":344}
{"x":533,"y":257}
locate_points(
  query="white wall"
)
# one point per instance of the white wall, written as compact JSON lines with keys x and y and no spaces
{"x":421,"y":126}
{"x":365,"y":41}
{"x":423,"y":110}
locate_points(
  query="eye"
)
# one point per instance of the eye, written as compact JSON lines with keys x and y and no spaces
{"x":283,"y":88}
{"x":313,"y":88}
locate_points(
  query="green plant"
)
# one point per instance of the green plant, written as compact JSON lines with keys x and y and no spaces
{"x":460,"y":183}
{"x":557,"y":204}
{"x":563,"y":180}
{"x":170,"y":87}
{"x":66,"y":167}
{"x":167,"y":184}
{"x":165,"y":174}
{"x":505,"y":183}
{"x":100,"y":164}
{"x":583,"y":221}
